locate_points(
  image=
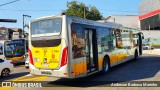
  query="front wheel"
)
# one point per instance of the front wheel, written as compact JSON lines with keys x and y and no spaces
{"x":5,"y":72}
{"x":106,"y":65}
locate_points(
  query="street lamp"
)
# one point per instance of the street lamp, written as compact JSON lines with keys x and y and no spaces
{"x":8,"y":20}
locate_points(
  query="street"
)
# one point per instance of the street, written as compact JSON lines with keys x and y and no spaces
{"x":146,"y":68}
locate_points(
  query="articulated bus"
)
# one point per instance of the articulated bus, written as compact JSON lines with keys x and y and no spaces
{"x":70,"y":47}
{"x":16,"y":50}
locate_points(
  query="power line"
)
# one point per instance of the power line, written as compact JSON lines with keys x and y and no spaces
{"x":61,"y":9}
{"x":9,"y":2}
{"x":28,"y":10}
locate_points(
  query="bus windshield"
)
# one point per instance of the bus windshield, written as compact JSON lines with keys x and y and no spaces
{"x":47,"y":26}
{"x":14,"y":48}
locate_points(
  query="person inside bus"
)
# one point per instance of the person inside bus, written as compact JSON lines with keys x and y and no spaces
{"x":77,"y":49}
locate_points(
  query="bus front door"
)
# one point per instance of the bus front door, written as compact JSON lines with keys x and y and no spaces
{"x":91,"y":50}
{"x":140,"y":37}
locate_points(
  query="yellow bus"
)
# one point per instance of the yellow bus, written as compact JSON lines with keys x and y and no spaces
{"x":70,"y":47}
{"x":16,"y":50}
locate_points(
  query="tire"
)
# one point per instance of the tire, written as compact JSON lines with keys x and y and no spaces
{"x":105,"y":65}
{"x":5,"y":72}
{"x":135,"y":55}
{"x":27,"y":67}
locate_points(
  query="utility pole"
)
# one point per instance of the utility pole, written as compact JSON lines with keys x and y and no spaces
{"x":150,"y":37}
{"x":23,"y":23}
{"x":84,"y":11}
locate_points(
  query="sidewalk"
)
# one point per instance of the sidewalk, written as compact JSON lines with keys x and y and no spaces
{"x":152,"y":52}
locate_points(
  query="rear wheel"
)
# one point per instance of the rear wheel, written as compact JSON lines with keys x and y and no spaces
{"x":5,"y":72}
{"x":106,"y":65}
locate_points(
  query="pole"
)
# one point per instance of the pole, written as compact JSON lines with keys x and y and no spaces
{"x":149,"y":37}
{"x":84,"y":12}
{"x":23,"y":27}
{"x":23,"y":24}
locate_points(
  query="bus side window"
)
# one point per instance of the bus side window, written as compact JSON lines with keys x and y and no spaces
{"x":78,"y":41}
{"x":105,"y":39}
{"x":118,"y":36}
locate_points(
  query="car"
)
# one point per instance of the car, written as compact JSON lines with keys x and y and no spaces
{"x":6,"y":67}
{"x":147,"y":47}
{"x":27,"y":63}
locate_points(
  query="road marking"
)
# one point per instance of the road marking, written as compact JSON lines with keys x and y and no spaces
{"x":6,"y":88}
{"x":27,"y":78}
{"x":39,"y":78}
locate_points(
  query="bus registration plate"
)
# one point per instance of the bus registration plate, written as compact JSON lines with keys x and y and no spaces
{"x":46,"y":72}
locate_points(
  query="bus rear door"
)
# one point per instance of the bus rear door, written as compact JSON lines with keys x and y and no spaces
{"x":91,"y":50}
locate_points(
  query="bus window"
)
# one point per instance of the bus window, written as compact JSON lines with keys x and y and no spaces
{"x":105,"y":39}
{"x":118,"y":38}
{"x":78,"y":41}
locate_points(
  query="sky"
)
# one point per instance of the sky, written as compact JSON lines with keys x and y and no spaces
{"x":41,"y":8}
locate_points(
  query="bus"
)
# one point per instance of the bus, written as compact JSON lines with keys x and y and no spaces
{"x":70,"y":47}
{"x":16,"y":50}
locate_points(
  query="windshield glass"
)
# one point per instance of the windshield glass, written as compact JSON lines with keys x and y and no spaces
{"x":14,"y":48}
{"x":47,"y":26}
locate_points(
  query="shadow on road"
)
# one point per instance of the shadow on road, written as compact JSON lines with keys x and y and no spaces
{"x":144,"y":67}
{"x":13,"y":76}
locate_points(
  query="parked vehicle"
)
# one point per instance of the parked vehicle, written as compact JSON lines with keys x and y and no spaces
{"x":147,"y":47}
{"x":6,"y":67}
{"x":16,"y":50}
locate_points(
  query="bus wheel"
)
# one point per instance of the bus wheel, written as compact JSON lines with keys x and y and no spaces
{"x":135,"y":55}
{"x":106,"y":65}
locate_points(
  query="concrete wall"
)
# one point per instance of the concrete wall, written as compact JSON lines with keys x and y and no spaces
{"x":131,"y":21}
{"x":147,"y":6}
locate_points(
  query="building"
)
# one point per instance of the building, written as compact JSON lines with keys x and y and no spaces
{"x":149,"y":11}
{"x":131,"y":21}
{"x":10,"y":33}
{"x":149,"y":17}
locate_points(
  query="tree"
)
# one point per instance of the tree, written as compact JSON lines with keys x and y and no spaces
{"x":77,"y":9}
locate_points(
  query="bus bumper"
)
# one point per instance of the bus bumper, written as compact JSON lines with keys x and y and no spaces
{"x":61,"y":73}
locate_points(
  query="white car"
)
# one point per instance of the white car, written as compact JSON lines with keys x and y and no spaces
{"x":6,"y":67}
{"x":146,"y":47}
{"x":27,"y":63}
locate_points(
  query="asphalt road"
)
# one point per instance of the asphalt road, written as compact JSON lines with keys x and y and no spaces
{"x":146,"y":68}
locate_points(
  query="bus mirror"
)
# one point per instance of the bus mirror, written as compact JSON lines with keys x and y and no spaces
{"x":142,"y":37}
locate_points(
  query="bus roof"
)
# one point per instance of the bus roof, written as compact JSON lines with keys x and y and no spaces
{"x":89,"y":22}
{"x":95,"y":23}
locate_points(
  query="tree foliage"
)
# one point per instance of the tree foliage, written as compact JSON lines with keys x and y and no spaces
{"x":77,"y":9}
